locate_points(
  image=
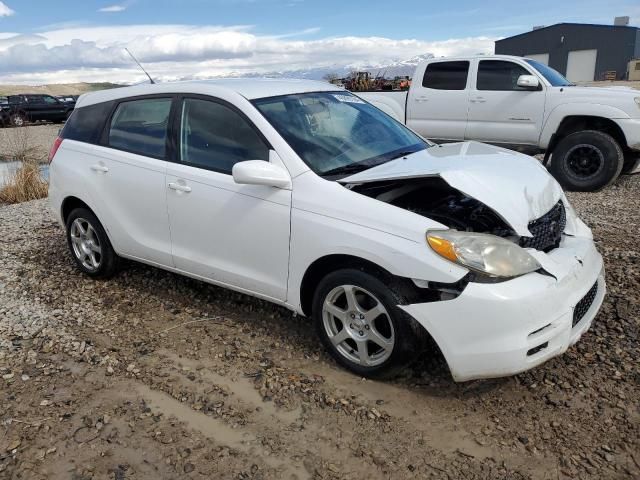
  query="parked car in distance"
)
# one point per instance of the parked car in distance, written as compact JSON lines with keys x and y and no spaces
{"x":26,"y":108}
{"x":4,"y":112}
{"x":589,"y":134}
{"x":303,"y":194}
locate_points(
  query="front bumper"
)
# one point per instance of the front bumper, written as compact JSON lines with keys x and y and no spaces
{"x":631,"y":129}
{"x":493,"y":330}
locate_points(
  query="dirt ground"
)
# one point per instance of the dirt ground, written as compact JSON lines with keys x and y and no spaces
{"x":155,"y":376}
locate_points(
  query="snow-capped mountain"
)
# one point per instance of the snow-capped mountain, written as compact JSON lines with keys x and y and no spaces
{"x":389,"y":70}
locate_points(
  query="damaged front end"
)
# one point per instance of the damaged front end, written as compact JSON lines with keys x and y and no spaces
{"x":434,"y":198}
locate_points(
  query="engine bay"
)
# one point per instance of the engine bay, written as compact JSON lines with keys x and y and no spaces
{"x":434,"y":198}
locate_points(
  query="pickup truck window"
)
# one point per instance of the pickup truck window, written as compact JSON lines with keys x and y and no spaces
{"x":446,"y":75}
{"x":337,"y":133}
{"x":499,"y":75}
{"x":50,"y":100}
{"x":553,"y":77}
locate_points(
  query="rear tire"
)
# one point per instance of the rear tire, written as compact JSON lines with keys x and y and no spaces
{"x":18,"y":119}
{"x":89,"y":245}
{"x":372,"y":337}
{"x":586,"y":161}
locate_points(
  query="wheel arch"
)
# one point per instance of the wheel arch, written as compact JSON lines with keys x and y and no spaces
{"x":321,"y":267}
{"x":69,"y":204}
{"x":577,"y":123}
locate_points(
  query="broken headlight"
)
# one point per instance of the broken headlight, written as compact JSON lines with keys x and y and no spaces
{"x":481,"y":252}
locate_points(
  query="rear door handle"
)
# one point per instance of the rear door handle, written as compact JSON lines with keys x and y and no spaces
{"x":99,"y":168}
{"x":422,"y":99}
{"x":478,"y":100}
{"x":179,"y":188}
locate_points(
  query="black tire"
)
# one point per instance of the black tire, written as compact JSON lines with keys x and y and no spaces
{"x":586,"y":161}
{"x":631,"y":161}
{"x":407,"y":333}
{"x":18,"y":119}
{"x":107,"y":259}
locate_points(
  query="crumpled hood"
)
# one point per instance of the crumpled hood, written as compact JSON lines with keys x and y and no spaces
{"x":516,"y":186}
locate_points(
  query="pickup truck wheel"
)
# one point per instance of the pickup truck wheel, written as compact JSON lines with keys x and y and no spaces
{"x":586,"y":161}
{"x":89,"y":245}
{"x":18,"y":119}
{"x":358,"y":321}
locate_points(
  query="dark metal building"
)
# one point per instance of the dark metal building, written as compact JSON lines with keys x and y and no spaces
{"x":582,"y":52}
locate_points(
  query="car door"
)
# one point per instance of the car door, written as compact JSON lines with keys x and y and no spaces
{"x":438,"y":102}
{"x":35,"y":107}
{"x":231,"y":234}
{"x":501,"y":111}
{"x":54,"y":108}
{"x":126,"y":178}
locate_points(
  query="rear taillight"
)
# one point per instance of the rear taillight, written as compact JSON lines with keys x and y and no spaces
{"x":54,"y":148}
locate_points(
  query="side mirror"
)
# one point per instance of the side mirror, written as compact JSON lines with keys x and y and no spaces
{"x":528,"y":82}
{"x":261,"y":172}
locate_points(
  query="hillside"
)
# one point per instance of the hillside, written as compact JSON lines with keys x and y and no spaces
{"x":56,"y":88}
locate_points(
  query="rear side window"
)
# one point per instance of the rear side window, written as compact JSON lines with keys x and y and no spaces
{"x":215,"y":137}
{"x":140,"y":126}
{"x":86,"y":124}
{"x":499,"y":75}
{"x":446,"y":75}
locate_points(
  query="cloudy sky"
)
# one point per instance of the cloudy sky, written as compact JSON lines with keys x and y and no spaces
{"x":83,"y":40}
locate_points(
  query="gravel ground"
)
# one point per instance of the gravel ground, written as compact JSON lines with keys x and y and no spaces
{"x":37,"y":137}
{"x":151,"y":375}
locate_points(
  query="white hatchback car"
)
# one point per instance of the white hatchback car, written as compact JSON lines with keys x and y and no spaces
{"x":305,"y":195}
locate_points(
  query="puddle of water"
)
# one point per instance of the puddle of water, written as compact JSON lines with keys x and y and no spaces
{"x":7,"y":169}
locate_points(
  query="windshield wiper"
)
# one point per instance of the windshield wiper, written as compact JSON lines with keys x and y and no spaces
{"x":345,"y":169}
{"x":403,"y":154}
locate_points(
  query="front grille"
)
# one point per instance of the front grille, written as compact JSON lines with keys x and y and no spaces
{"x":546,"y":230}
{"x":583,"y":305}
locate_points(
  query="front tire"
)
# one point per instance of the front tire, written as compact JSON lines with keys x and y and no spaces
{"x":586,"y":161}
{"x":358,"y":321}
{"x":89,"y":245}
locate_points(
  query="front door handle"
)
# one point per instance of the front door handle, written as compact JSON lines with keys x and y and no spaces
{"x":478,"y":100}
{"x":179,"y":188}
{"x":99,"y":168}
{"x":422,"y":99}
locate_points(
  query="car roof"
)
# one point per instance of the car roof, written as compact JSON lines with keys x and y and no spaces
{"x":250,"y":88}
{"x":480,"y":57}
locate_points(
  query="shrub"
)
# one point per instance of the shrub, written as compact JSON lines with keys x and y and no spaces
{"x":24,"y":184}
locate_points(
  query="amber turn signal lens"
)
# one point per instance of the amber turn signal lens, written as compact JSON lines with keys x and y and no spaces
{"x":442,"y":247}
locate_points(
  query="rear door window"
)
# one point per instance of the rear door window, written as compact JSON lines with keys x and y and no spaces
{"x":499,"y":75}
{"x":140,"y":126}
{"x":446,"y":75}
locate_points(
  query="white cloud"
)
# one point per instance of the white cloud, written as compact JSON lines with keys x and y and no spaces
{"x":113,"y":9}
{"x":5,"y":11}
{"x":183,"y":51}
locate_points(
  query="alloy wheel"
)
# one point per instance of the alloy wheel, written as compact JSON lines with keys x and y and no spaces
{"x":86,"y":244}
{"x":358,"y":325}
{"x":585,"y":160}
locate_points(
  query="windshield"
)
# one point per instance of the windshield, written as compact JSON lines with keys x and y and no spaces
{"x":337,"y":133}
{"x":554,"y":78}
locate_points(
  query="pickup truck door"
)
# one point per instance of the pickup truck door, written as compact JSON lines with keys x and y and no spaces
{"x":54,"y":108}
{"x":235,"y":235}
{"x":439,"y":99}
{"x":499,"y":110}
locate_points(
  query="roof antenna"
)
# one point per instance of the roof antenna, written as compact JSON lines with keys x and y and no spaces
{"x":141,"y":67}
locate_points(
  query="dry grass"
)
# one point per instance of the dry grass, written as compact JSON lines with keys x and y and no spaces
{"x":24,"y":184}
{"x":20,"y":146}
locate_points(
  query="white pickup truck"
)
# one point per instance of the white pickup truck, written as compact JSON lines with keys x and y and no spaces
{"x":590,"y":135}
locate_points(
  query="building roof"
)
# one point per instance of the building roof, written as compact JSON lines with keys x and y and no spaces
{"x":249,"y":88}
{"x":585,"y":25}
